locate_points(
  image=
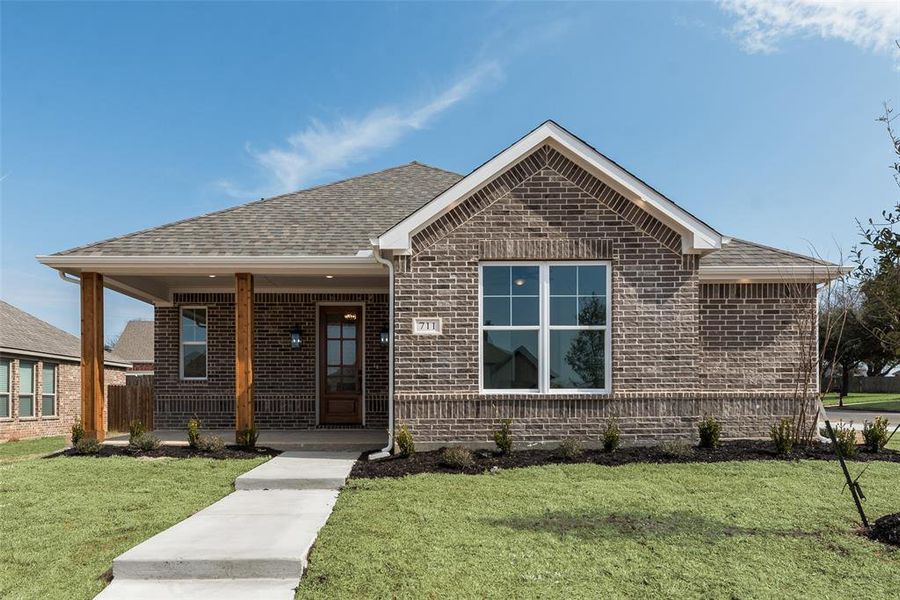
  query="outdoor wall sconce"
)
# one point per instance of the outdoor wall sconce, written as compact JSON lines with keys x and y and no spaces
{"x":296,"y":338}
{"x":385,"y":336}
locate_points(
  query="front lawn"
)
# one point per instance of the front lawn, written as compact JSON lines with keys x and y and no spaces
{"x":865,"y":402}
{"x":20,"y":450}
{"x":64,"y":519}
{"x":739,"y":530}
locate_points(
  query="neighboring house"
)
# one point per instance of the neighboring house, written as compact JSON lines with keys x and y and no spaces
{"x":135,"y":344}
{"x":549,"y":286}
{"x":40,"y":376}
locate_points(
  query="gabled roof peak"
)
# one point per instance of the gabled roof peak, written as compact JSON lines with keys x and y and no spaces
{"x":697,"y":236}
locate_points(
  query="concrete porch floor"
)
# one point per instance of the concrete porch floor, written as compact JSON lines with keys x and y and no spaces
{"x":355,"y":440}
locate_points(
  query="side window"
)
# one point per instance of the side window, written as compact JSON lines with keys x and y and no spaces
{"x":26,"y":388}
{"x":193,"y":343}
{"x":48,"y":390}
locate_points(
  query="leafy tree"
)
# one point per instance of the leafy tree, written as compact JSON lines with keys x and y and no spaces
{"x":879,"y":270}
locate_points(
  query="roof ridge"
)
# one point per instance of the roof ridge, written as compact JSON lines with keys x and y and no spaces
{"x":238,"y":206}
{"x":783,"y":252}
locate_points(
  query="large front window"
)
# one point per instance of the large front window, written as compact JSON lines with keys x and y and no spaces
{"x":544,"y":327}
{"x":193,"y":342}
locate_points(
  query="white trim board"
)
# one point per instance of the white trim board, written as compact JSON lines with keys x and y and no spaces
{"x":697,"y":236}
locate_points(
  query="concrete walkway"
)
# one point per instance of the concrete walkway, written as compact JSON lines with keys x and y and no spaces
{"x":251,"y":544}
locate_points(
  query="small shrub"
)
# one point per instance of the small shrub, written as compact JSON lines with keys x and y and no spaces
{"x":503,"y":436}
{"x":405,"y":443}
{"x":570,"y":448}
{"x":246,"y":438}
{"x":875,"y":435}
{"x":77,"y":432}
{"x":710,"y":429}
{"x":846,"y":439}
{"x":611,"y":436}
{"x":87,"y":445}
{"x":193,"y":431}
{"x":135,"y":430}
{"x":457,"y":457}
{"x":145,"y":442}
{"x":210,"y":443}
{"x":782,"y":434}
{"x":676,"y":448}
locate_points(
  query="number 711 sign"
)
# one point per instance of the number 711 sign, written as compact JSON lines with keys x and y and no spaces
{"x":427,"y":326}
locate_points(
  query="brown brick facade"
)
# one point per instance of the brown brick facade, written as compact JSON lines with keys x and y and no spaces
{"x":68,"y":399}
{"x":680,"y":349}
{"x":285,"y":379}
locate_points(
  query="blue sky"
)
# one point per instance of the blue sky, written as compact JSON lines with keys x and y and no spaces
{"x":758,"y":118}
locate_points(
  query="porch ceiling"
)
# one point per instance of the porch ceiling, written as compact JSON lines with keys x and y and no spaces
{"x":160,"y":289}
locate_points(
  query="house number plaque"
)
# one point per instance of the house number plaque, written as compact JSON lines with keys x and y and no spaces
{"x":427,"y":326}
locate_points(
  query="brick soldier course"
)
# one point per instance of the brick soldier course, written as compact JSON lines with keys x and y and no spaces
{"x":700,"y":323}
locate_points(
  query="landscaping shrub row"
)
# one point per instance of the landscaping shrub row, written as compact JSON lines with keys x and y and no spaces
{"x":481,"y":461}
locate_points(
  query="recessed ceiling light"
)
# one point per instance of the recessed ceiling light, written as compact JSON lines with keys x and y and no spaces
{"x":212,"y":275}
{"x":329,"y":277}
{"x":519,"y":282}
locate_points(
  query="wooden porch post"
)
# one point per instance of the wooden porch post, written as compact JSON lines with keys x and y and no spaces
{"x":243,"y":351}
{"x":92,"y":388}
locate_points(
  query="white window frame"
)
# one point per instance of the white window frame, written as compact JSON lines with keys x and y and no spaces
{"x":33,"y":393}
{"x":8,"y":393}
{"x":182,"y":343}
{"x":55,"y":366}
{"x":544,"y":327}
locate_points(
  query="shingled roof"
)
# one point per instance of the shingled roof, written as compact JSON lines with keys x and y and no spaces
{"x":23,"y":332}
{"x":335,"y":219}
{"x":743,"y":253}
{"x":136,"y":341}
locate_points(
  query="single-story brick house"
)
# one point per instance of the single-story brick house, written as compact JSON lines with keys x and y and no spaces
{"x":40,"y":390}
{"x":549,"y":285}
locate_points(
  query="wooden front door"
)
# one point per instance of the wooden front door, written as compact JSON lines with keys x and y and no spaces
{"x":340,"y":364}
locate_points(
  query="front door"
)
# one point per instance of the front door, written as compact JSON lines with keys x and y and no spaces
{"x":340,"y":364}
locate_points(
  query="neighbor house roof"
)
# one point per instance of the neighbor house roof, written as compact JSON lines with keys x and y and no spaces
{"x":335,"y":219}
{"x":23,"y":333}
{"x":136,"y":342}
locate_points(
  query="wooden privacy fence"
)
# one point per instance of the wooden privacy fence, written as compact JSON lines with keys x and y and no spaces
{"x":128,"y":402}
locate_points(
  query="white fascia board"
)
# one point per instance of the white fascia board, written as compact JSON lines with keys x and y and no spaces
{"x":697,"y":236}
{"x":191,"y":265}
{"x":772,"y":273}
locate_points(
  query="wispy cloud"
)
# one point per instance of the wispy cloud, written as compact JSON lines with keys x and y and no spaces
{"x":762,"y":24}
{"x":325,"y":148}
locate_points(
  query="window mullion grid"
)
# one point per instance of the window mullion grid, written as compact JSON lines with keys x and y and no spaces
{"x":543,"y":335}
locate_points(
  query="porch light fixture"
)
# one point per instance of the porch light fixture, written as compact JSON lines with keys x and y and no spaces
{"x":385,"y":336}
{"x":296,"y":338}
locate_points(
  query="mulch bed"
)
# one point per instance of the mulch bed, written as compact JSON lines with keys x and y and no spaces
{"x":886,"y":529}
{"x":175,"y":452}
{"x":485,"y":460}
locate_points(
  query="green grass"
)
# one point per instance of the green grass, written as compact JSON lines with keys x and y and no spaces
{"x":741,"y":530}
{"x":63,"y":520}
{"x":865,"y":402}
{"x":10,"y":451}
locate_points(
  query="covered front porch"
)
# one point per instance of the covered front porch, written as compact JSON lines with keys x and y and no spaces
{"x":283,"y":347}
